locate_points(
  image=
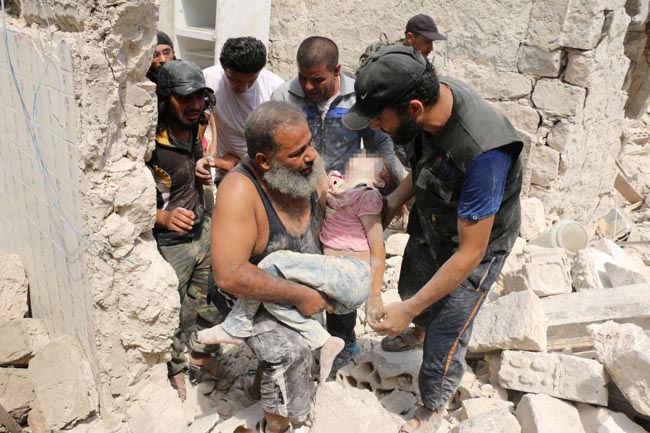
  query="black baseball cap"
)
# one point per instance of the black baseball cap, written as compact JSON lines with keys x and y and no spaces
{"x":181,"y":77}
{"x":424,"y":25}
{"x":387,"y":76}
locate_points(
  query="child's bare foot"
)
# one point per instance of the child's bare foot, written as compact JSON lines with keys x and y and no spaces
{"x":328,"y":352}
{"x":217,"y":335}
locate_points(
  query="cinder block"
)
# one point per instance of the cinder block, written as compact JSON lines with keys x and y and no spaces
{"x":543,"y":414}
{"x":625,"y":351}
{"x":514,"y":321}
{"x":501,"y":421}
{"x":20,"y":340}
{"x":563,"y":376}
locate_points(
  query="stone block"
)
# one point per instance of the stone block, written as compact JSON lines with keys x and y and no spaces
{"x":565,"y":136}
{"x":543,"y":414}
{"x":625,"y":351}
{"x":20,"y":340}
{"x":558,"y":98}
{"x":546,"y":24}
{"x":513,"y":321}
{"x":501,"y":421}
{"x":492,"y":84}
{"x":399,"y":402}
{"x":583,"y":26}
{"x":533,"y":219}
{"x":521,"y":116}
{"x":16,"y":390}
{"x":579,"y":68}
{"x":474,"y":407}
{"x":545,"y":271}
{"x":63,"y":383}
{"x":602,"y":420}
{"x":13,"y":288}
{"x":351,"y":410}
{"x":396,"y":243}
{"x":558,"y":375}
{"x":532,"y":60}
{"x":588,"y":270}
{"x":544,"y":165}
{"x":569,"y":315}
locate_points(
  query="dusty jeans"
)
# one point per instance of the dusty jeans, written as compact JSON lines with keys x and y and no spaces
{"x":345,"y":280}
{"x":448,"y":322}
{"x":191,"y":262}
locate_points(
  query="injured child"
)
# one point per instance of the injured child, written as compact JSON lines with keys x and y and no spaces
{"x":349,"y":273}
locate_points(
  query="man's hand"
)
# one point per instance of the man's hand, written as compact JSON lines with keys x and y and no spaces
{"x":374,"y":309}
{"x":389,"y":209}
{"x":396,"y":319}
{"x":202,"y":171}
{"x":313,"y":302}
{"x":179,"y":220}
{"x":227,"y":162}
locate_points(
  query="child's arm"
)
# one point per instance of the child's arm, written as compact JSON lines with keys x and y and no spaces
{"x":375,"y":234}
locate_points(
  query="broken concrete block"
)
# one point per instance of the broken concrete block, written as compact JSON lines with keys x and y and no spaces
{"x":602,"y":420}
{"x":563,"y":376}
{"x":568,"y":315}
{"x":533,"y":220}
{"x":513,"y":321}
{"x":473,"y":407}
{"x":625,"y":351}
{"x":622,"y":274}
{"x":13,"y":288}
{"x":545,"y":271}
{"x":501,"y":421}
{"x":63,"y":383}
{"x":16,"y":390}
{"x":588,"y":270}
{"x":399,"y":402}
{"x":544,"y":414}
{"x":20,"y":340}
{"x":396,"y":243}
{"x":350,"y":410}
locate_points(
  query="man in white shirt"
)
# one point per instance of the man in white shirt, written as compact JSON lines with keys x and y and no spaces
{"x":240,"y":84}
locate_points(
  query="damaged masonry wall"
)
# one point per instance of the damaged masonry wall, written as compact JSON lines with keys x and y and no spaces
{"x":78,"y":201}
{"x":554,"y":67}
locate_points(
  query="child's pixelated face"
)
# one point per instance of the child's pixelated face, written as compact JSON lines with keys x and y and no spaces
{"x":363,"y":169}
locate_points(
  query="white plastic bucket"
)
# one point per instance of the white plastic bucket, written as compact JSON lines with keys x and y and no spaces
{"x":566,"y":234}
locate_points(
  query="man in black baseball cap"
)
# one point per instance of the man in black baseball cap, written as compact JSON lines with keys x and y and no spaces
{"x":466,"y":181}
{"x":182,"y":228}
{"x":164,"y":53}
{"x":421,"y":31}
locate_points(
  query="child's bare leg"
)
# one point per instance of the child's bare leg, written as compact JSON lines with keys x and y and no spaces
{"x":328,"y":352}
{"x":217,"y":335}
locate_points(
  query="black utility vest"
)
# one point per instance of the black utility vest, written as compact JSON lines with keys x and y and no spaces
{"x":440,"y":162}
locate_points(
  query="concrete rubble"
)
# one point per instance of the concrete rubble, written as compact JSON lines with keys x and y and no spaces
{"x":624,"y":349}
{"x":13,"y":288}
{"x":20,"y":340}
{"x":539,"y":413}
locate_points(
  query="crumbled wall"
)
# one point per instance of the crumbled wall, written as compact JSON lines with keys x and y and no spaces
{"x":555,"y":67}
{"x":82,"y":220}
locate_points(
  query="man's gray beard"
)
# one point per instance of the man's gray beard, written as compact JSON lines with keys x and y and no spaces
{"x":289,"y":183}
